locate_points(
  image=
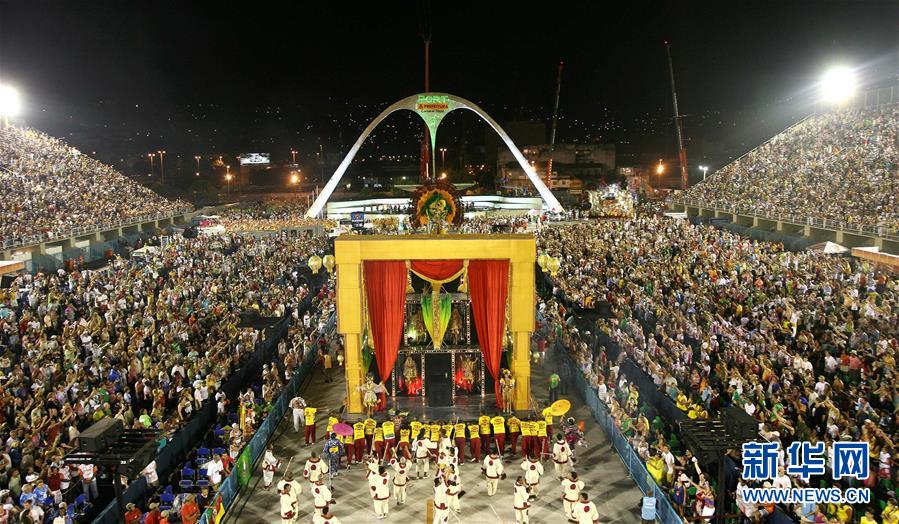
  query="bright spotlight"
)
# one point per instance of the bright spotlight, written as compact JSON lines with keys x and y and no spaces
{"x":838,"y":85}
{"x":10,"y":105}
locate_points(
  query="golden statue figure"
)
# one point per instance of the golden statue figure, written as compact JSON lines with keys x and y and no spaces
{"x":455,"y":326}
{"x":507,"y":386}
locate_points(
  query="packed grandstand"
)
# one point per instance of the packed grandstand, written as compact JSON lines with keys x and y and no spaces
{"x":838,"y":166}
{"x":50,"y":188}
{"x":804,"y":342}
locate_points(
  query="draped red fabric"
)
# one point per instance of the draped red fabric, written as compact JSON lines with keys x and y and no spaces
{"x":385,"y":293}
{"x":488,"y":285}
{"x":437,"y":269}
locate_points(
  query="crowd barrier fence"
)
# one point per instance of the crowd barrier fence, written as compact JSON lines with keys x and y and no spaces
{"x":230,"y":487}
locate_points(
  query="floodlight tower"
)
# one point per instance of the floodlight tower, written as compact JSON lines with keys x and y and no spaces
{"x":678,"y":124}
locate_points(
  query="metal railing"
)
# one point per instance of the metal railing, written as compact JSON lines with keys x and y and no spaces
{"x":31,"y":240}
{"x":880,"y":230}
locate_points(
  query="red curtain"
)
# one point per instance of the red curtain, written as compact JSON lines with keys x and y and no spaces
{"x":437,"y":269}
{"x":385,"y":292}
{"x":488,"y":285}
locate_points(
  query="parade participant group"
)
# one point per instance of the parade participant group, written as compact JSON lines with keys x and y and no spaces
{"x":506,"y":452}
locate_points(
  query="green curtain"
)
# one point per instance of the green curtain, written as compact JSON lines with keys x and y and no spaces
{"x":443,"y":312}
{"x":367,"y":355}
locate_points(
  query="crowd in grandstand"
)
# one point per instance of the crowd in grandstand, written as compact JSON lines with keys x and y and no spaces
{"x":270,"y":216}
{"x":838,"y":166}
{"x":804,"y":342}
{"x":48,"y":187}
{"x":147,"y":343}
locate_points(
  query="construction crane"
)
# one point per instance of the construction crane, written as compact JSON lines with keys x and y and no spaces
{"x":678,"y":124}
{"x":552,"y":133}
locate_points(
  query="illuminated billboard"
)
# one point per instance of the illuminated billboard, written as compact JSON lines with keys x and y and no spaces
{"x":255,"y":159}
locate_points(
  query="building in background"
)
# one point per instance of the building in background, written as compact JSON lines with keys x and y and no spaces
{"x":574,"y":165}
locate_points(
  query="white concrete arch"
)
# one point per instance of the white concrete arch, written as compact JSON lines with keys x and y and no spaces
{"x":424,"y":106}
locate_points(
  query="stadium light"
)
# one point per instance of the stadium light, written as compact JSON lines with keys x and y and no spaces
{"x":10,"y":104}
{"x":704,"y":169}
{"x":838,"y":85}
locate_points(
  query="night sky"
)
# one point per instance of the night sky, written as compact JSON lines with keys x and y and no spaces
{"x":123,"y":78}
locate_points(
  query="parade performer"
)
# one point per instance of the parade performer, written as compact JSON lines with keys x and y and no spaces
{"x":434,"y":432}
{"x":378,"y":442}
{"x":349,"y":444}
{"x":571,"y":493}
{"x":289,"y":505}
{"x":521,"y":502}
{"x":492,"y":468}
{"x":321,"y":496}
{"x":561,"y":457}
{"x":297,"y":405}
{"x":415,"y":427}
{"x":459,"y":434}
{"x":315,"y":468}
{"x":403,"y":448}
{"x":270,"y":464}
{"x":369,"y":395}
{"x":474,"y":436}
{"x":532,"y":471}
{"x":514,"y":431}
{"x":453,"y":488}
{"x":389,"y":430}
{"x":441,"y":511}
{"x":359,"y":440}
{"x":527,"y":434}
{"x":541,"y":441}
{"x":289,"y":481}
{"x":380,"y":492}
{"x":548,"y":418}
{"x":371,"y":466}
{"x":326,"y":517}
{"x":422,"y":451}
{"x":585,"y":510}
{"x":499,"y":433}
{"x":309,"y":413}
{"x":445,"y":443}
{"x":484,"y":430}
{"x":333,"y":450}
{"x":370,"y":425}
{"x":400,"y":477}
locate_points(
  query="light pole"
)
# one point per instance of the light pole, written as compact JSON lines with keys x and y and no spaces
{"x":162,"y":165}
{"x":151,"y":156}
{"x":197,"y":158}
{"x":293,"y":155}
{"x":443,"y":159}
{"x":704,"y":169}
{"x":228,"y":178}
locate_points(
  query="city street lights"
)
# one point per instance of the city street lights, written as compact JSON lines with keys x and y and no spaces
{"x":161,"y":165}
{"x":10,"y":105}
{"x":704,"y":169}
{"x":443,"y":159}
{"x":293,"y":155}
{"x":151,"y":156}
{"x":228,"y":178}
{"x":197,"y":158}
